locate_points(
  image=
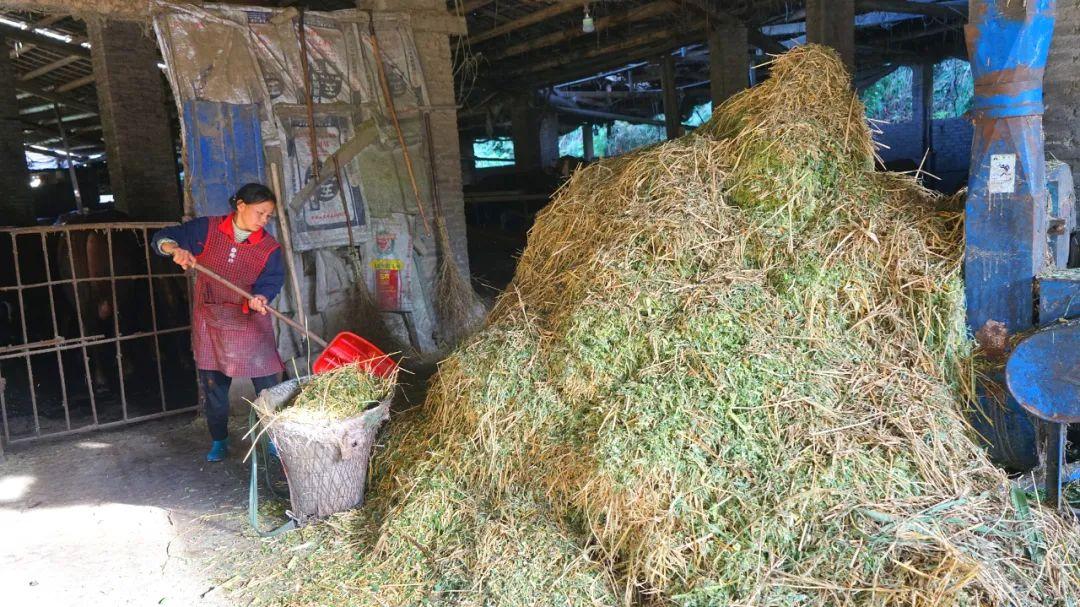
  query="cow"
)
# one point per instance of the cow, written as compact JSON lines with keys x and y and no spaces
{"x":99,"y":313}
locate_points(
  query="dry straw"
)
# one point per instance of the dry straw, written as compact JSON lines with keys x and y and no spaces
{"x":730,"y":370}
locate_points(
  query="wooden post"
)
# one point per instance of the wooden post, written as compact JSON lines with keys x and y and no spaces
{"x":525,"y":130}
{"x":587,"y":141}
{"x":926,"y":109}
{"x":671,"y":96}
{"x":729,"y":63}
{"x":832,"y":23}
{"x":286,"y":243}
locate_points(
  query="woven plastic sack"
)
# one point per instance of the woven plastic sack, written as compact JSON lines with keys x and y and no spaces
{"x":325,"y":463}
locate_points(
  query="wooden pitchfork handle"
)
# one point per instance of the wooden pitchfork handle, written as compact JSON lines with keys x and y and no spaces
{"x":285,"y":319}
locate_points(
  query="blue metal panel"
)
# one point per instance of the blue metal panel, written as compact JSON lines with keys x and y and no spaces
{"x":1008,"y":42}
{"x":1006,"y":220}
{"x":224,"y":151}
{"x":1005,"y":232}
{"x":1059,"y":296}
{"x":1044,"y":373}
{"x":1061,"y":199}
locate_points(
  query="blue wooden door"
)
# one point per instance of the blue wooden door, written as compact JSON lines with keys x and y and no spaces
{"x":224,"y":151}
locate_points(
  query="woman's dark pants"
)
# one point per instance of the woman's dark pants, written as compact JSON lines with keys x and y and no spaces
{"x":215,"y":389}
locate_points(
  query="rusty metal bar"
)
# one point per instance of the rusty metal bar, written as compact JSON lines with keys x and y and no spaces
{"x":3,"y":408}
{"x":153,"y":320}
{"x":46,"y":343}
{"x":116,"y":327}
{"x":82,"y":330}
{"x":3,"y":382}
{"x":25,"y":334}
{"x":135,"y":225}
{"x":56,"y":332}
{"x":59,"y":344}
{"x":54,"y":283}
{"x":87,"y":343}
{"x":105,"y":426}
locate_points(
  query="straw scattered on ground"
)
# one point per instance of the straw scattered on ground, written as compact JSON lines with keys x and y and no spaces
{"x":730,"y":370}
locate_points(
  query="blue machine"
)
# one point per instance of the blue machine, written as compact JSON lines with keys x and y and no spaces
{"x":1021,"y":214}
{"x":1006,"y":213}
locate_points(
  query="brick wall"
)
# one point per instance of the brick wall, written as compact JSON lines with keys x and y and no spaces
{"x":1061,"y":122}
{"x":138,"y":139}
{"x":951,"y":142}
{"x":901,"y":141}
{"x":16,"y":206}
{"x":952,"y":150}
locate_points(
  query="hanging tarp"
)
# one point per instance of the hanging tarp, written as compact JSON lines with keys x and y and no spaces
{"x":251,"y":55}
{"x":324,"y":217}
{"x":223,"y":57}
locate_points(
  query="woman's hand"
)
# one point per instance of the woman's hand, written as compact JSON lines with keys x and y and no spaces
{"x":182,"y":257}
{"x":258,"y":303}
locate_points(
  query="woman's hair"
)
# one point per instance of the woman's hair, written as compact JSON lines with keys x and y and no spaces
{"x":252,"y":193}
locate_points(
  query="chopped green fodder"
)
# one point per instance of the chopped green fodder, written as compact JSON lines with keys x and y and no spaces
{"x":340,"y":394}
{"x":730,"y":370}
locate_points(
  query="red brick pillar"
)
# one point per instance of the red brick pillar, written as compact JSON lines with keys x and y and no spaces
{"x":16,"y":206}
{"x":138,"y":138}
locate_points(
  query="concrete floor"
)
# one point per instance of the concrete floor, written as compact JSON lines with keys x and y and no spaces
{"x":126,"y":517}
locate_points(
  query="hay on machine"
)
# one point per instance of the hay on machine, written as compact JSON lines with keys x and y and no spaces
{"x":731,"y":370}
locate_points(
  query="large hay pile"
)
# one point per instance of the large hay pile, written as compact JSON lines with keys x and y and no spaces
{"x":729,"y":371}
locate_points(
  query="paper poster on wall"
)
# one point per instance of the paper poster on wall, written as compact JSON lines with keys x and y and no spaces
{"x":1002,"y":173}
{"x":388,"y":255}
{"x":321,"y":219}
{"x":329,"y":43}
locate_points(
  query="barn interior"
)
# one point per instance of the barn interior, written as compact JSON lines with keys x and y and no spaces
{"x":415,"y":149}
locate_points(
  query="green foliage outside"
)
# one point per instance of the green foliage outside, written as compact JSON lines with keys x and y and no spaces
{"x":954,"y":88}
{"x":501,"y":148}
{"x":890,"y":99}
{"x":621,"y":137}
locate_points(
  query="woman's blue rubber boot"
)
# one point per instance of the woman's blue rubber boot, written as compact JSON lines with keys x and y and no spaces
{"x":218,"y":451}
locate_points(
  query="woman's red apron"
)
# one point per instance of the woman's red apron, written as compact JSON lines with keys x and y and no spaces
{"x":226,"y":336}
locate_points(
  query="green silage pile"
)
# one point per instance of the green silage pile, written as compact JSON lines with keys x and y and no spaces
{"x":729,"y":371}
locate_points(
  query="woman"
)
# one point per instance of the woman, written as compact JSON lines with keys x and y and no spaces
{"x":228,"y":339}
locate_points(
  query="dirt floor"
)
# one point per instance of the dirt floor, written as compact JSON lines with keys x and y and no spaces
{"x":138,"y":517}
{"x":126,"y":517}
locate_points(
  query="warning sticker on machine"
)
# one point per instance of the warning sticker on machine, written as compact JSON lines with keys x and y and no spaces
{"x":1002,"y":173}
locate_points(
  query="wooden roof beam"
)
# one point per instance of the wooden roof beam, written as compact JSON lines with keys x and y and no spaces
{"x":468,"y":6}
{"x":74,"y":84}
{"x":944,"y":10}
{"x":48,"y":67}
{"x":605,"y":62}
{"x":49,"y":20}
{"x":627,"y":44}
{"x":753,"y":34}
{"x":33,"y":147}
{"x":647,"y":11}
{"x":42,"y":41}
{"x":60,"y":98}
{"x":48,"y":132}
{"x":533,"y":18}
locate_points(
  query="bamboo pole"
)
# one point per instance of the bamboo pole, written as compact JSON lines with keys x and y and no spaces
{"x":286,"y":242}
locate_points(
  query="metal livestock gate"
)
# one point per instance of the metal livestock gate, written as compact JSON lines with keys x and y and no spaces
{"x":94,"y":330}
